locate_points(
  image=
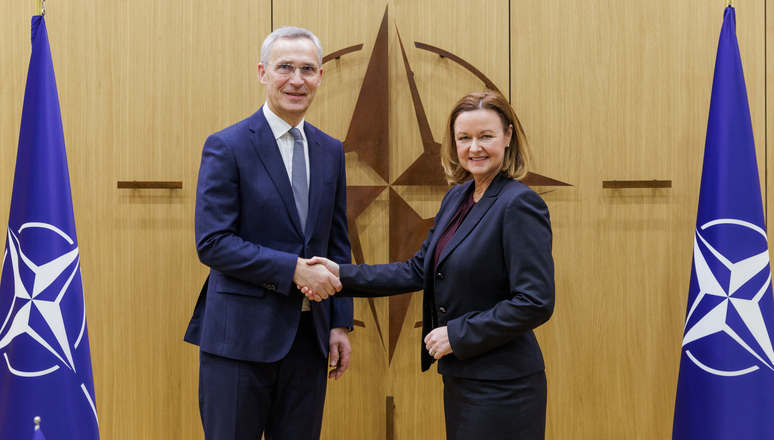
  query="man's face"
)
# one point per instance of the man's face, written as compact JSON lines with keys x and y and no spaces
{"x":290,"y":96}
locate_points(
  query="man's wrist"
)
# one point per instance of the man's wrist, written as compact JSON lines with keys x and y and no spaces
{"x":347,"y":329}
{"x":297,"y":272}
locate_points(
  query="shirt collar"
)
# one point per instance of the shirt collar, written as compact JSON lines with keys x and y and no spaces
{"x":278,"y":125}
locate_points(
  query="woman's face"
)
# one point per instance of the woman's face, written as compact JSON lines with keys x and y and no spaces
{"x":481,"y":143}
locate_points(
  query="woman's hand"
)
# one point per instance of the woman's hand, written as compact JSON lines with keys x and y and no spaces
{"x":437,"y":343}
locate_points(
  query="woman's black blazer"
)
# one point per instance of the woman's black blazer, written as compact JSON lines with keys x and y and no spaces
{"x":493,"y":285}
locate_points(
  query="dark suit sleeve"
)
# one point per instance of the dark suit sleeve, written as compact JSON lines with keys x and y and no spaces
{"x":527,"y":242}
{"x":368,"y":281}
{"x":217,"y":218}
{"x":365,"y":280}
{"x":339,"y":249}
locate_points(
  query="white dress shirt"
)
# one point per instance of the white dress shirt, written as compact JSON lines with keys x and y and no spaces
{"x":285,"y":141}
{"x":281,"y":131}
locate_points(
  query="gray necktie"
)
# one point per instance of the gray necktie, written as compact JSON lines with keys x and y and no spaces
{"x":298,"y":182}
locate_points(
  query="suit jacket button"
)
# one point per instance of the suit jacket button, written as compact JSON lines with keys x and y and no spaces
{"x":442,"y":310}
{"x":268,"y":286}
{"x":439,"y":275}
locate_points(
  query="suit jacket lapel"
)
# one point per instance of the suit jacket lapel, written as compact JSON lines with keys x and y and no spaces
{"x":316,"y":165}
{"x":474,"y":217}
{"x":266,"y":146}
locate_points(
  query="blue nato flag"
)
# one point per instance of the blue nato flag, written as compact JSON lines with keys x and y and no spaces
{"x":45,"y":364}
{"x":725,"y":387}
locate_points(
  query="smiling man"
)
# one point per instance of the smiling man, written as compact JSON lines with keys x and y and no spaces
{"x":271,"y":193}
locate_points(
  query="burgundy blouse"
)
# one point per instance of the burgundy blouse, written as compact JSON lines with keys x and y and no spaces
{"x":451,"y":228}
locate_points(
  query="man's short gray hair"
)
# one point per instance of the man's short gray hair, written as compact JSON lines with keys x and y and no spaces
{"x":289,"y":33}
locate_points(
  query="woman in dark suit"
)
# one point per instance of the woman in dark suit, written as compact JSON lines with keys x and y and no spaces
{"x":488,"y":278}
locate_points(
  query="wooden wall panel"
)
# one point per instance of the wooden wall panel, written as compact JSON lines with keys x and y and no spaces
{"x":620,"y":91}
{"x":141,"y":85}
{"x":417,"y":397}
{"x":459,"y":28}
{"x":440,"y":83}
{"x":355,"y":404}
{"x":14,"y":61}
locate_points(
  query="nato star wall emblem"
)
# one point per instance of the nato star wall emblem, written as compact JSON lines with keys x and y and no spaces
{"x":725,"y":388}
{"x":45,"y":364}
{"x":368,"y":137}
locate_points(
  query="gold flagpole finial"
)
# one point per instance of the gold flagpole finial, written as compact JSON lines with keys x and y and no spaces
{"x":40,"y":7}
{"x":730,"y":3}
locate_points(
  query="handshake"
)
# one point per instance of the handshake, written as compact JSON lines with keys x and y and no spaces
{"x":317,"y":278}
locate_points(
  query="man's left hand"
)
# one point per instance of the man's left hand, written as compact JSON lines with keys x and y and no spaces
{"x":339,"y":352}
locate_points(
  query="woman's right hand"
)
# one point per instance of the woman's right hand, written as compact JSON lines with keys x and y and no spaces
{"x":330,"y":265}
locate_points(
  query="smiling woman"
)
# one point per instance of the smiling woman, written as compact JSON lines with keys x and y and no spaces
{"x":491,"y":282}
{"x":484,"y":137}
{"x":481,"y":143}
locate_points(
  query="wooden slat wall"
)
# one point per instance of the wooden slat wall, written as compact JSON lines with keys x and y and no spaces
{"x":605,"y":91}
{"x":620,"y":91}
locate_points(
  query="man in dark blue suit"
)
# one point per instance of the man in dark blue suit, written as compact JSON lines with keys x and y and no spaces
{"x":271,"y":193}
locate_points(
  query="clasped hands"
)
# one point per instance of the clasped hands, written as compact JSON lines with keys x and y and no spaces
{"x":327,"y":278}
{"x":317,"y":278}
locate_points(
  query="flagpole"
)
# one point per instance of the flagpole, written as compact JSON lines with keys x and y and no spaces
{"x":40,"y":7}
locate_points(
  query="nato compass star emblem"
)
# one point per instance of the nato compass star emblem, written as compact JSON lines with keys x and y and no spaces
{"x":34,"y":317}
{"x":368,"y":137}
{"x":731,"y":262}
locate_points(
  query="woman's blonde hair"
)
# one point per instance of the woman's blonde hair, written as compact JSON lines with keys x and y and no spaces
{"x":517,"y":154}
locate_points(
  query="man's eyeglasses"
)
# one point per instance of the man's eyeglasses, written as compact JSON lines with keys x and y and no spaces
{"x":289,"y":70}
